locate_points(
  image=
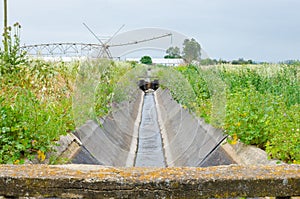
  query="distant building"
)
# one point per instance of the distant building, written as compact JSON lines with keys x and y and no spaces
{"x":168,"y":62}
{"x":161,"y":61}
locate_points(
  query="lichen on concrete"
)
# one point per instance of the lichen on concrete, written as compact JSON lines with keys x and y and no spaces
{"x":91,"y":181}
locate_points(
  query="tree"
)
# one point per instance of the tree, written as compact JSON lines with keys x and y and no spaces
{"x":191,"y":50}
{"x":241,"y":61}
{"x":208,"y":61}
{"x":146,"y":60}
{"x":173,"y":53}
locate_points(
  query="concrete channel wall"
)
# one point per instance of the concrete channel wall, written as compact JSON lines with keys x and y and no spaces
{"x":94,"y":181}
{"x":188,"y":141}
{"x":114,"y":141}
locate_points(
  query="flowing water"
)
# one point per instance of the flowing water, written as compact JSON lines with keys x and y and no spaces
{"x":150,"y":148}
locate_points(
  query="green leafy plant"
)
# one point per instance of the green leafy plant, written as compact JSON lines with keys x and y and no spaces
{"x":284,"y":144}
{"x":30,"y":126}
{"x":13,"y":56}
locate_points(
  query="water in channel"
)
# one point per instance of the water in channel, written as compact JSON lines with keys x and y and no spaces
{"x":150,"y":149}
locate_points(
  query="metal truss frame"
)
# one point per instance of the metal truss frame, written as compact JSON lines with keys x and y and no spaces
{"x":62,"y":49}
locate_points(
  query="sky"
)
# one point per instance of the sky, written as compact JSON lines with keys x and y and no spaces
{"x":261,"y":30}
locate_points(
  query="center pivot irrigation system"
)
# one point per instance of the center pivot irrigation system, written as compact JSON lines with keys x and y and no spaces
{"x":97,"y":50}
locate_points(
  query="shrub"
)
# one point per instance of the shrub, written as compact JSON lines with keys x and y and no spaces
{"x":146,"y":60}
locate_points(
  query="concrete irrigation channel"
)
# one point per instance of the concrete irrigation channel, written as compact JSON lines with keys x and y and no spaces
{"x":152,"y":131}
{"x":151,"y":147}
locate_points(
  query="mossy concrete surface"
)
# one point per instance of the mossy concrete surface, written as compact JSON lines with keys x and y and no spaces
{"x":95,"y":181}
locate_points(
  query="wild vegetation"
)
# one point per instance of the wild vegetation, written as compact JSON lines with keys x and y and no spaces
{"x":35,"y":103}
{"x":36,"y":100}
{"x":37,"y":107}
{"x":256,"y":104}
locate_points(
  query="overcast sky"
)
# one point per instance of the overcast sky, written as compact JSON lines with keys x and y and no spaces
{"x":261,"y":30}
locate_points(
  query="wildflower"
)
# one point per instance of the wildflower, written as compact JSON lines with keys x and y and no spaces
{"x":41,"y":155}
{"x":234,"y":139}
{"x":238,"y":124}
{"x":16,"y":161}
{"x":296,"y":162}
